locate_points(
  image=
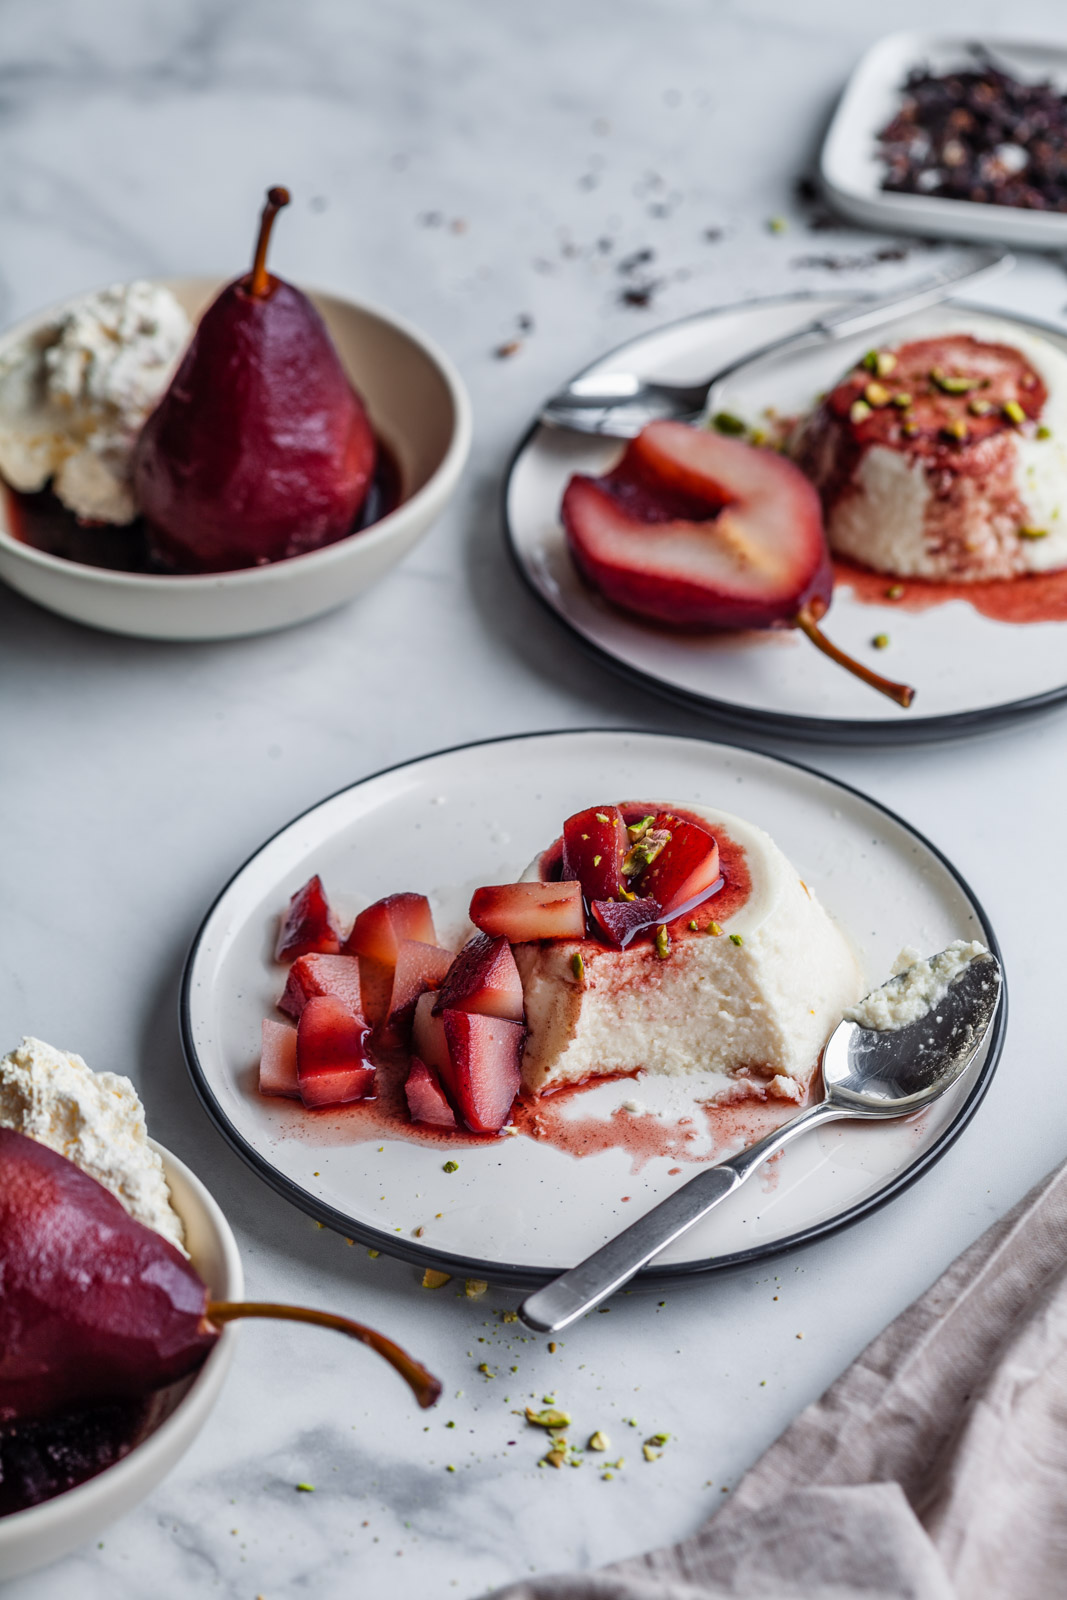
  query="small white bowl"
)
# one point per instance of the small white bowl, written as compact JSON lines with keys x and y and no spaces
{"x":31,"y":1539}
{"x":416,"y":401}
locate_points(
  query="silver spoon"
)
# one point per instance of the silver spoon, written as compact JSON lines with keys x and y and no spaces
{"x":620,"y":404}
{"x":866,"y":1072}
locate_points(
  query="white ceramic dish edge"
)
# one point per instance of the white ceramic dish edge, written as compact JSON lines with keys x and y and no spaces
{"x":34,"y":1538}
{"x":851,"y":175}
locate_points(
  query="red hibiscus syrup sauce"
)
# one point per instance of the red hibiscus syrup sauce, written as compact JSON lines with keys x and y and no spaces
{"x":43,"y":523}
{"x":1030,"y":597}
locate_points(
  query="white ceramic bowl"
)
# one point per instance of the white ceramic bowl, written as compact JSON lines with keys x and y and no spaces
{"x":419,"y":405}
{"x":33,"y":1538}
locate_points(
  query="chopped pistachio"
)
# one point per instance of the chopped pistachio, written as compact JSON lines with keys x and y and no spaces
{"x":692,"y":926}
{"x":637,"y":829}
{"x":659,"y":1439}
{"x":432,"y":1279}
{"x":956,"y":429}
{"x":880,"y":362}
{"x":735,"y":938}
{"x":597,"y":860}
{"x":663,"y":942}
{"x":776,"y":224}
{"x":902,"y":399}
{"x":450,"y":1468}
{"x":1033,"y":533}
{"x":910,"y":429}
{"x":552,"y":1418}
{"x":648,"y":1453}
{"x":714,"y":929}
{"x":1014,"y":412}
{"x":450,"y":1166}
{"x":475,"y":1288}
{"x":509,"y":1316}
{"x":979,"y":407}
{"x":726,"y":422}
{"x":578,"y":965}
{"x":556,"y":1458}
{"x":645,"y":851}
{"x":599,"y":1441}
{"x":484,"y":1369}
{"x":881,"y":641}
{"x":374,"y":1254}
{"x":859,"y":411}
{"x":952,"y":383}
{"x":757,"y":436}
{"x":306,"y":1488}
{"x":876,"y":394}
{"x":626,"y":894}
{"x":895,"y":591}
{"x":1041,"y":432}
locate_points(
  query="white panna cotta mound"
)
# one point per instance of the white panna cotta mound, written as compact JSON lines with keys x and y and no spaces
{"x":755,"y":1002}
{"x":94,"y":1119}
{"x":958,"y":486}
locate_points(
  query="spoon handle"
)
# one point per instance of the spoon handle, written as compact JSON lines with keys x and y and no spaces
{"x":577,"y":1291}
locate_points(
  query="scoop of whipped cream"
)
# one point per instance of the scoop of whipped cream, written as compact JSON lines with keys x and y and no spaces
{"x":75,"y":393}
{"x":96,"y":1120}
{"x":916,"y":987}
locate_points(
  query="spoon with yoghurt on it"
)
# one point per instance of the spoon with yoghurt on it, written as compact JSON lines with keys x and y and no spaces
{"x":892,"y":1055}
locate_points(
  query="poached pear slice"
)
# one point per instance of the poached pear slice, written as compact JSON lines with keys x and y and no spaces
{"x":701,"y":532}
{"x":261,"y":448}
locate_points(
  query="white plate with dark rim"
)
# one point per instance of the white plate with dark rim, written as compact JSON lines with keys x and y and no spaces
{"x":516,"y":1211}
{"x":849,"y":167}
{"x":970,"y":671}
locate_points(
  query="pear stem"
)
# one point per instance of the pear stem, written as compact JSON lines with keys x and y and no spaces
{"x":259,"y":281}
{"x":423,"y":1384}
{"x":902,"y":693}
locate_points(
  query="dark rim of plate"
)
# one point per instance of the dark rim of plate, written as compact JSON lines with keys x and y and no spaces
{"x":509,"y":1275}
{"x":908,"y":729}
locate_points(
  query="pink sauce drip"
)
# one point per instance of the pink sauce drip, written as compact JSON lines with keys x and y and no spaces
{"x":1029,"y":597}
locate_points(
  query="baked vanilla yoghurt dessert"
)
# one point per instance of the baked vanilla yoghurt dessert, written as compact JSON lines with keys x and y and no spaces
{"x":945,"y":456}
{"x":749,"y":981}
{"x":75,"y":393}
{"x":94,"y":1119}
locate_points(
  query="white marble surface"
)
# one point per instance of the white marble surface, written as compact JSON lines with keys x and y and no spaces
{"x":459,"y":163}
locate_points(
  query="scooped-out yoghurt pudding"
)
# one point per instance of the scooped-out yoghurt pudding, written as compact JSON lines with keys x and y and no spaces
{"x":648,"y":938}
{"x":750,"y":983}
{"x":945,"y":457}
{"x":75,"y":393}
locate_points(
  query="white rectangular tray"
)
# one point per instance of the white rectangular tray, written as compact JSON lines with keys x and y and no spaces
{"x":851,"y":173}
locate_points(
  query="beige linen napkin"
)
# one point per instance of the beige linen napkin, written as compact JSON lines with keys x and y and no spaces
{"x":935,"y":1468}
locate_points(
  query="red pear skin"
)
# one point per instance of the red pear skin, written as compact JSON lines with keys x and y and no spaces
{"x":261,"y":448}
{"x":94,"y":1305}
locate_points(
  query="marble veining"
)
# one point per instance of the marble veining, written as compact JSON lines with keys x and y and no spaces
{"x":553,"y":178}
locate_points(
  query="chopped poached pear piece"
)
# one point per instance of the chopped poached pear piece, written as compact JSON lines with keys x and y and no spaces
{"x":308,"y":927}
{"x":378,"y":930}
{"x":98,"y":1307}
{"x":277,"y":1061}
{"x":425,"y":1097}
{"x":418,"y":967}
{"x":595,"y":844}
{"x":697,"y":531}
{"x":332,"y":1066}
{"x":482,"y":1075}
{"x":687,"y":865}
{"x":483,"y":978}
{"x":428,"y":1034}
{"x":522,"y":911}
{"x":619,"y":921}
{"x":314,"y":975}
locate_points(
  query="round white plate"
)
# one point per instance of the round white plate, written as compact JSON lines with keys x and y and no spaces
{"x":516,"y":1210}
{"x":969,"y":671}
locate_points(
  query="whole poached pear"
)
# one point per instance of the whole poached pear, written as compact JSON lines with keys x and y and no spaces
{"x":97,"y":1307}
{"x":261,"y":448}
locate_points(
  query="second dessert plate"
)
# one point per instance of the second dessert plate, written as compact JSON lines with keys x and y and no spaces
{"x":970,"y":670}
{"x":516,"y":1210}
